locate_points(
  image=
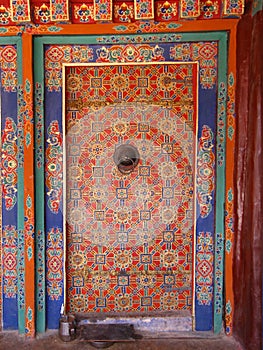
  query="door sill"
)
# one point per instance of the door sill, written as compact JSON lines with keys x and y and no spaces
{"x":143,"y":323}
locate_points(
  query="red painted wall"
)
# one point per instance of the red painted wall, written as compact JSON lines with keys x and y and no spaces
{"x":249,"y":182}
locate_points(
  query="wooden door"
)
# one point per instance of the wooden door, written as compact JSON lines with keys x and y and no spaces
{"x":130,"y":237}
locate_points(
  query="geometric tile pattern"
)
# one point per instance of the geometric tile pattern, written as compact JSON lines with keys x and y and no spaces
{"x":130,"y":237}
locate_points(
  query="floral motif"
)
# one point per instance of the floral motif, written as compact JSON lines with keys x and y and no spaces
{"x":5,"y":16}
{"x":103,"y":10}
{"x":123,"y":302}
{"x":78,"y":303}
{"x":219,"y":281}
{"x":123,"y":12}
{"x":20,"y":10}
{"x":54,"y":172}
{"x":120,"y":82}
{"x":123,"y":259}
{"x":55,"y":56}
{"x":144,"y":9}
{"x":205,"y":53}
{"x":231,"y":113}
{"x":204,"y":268}
{"x":83,"y":13}
{"x":39,"y":125}
{"x":120,"y":127}
{"x":171,"y":301}
{"x":205,"y":171}
{"x":122,"y":215}
{"x":167,"y":170}
{"x":167,"y":11}
{"x":210,"y":9}
{"x":233,"y":7}
{"x":101,"y":282}
{"x":221,"y":124}
{"x":42,"y":14}
{"x":229,"y":317}
{"x":131,"y":53}
{"x":40,"y":266}
{"x":9,"y":164}
{"x":54,"y":255}
{"x":190,"y":8}
{"x":9,"y":243}
{"x":8,"y":62}
{"x":59,"y":10}
{"x":169,"y":258}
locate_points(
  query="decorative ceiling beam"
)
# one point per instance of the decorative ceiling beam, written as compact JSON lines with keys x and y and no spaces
{"x":117,"y":11}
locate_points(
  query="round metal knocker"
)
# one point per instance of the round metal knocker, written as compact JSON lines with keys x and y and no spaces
{"x":126,"y":157}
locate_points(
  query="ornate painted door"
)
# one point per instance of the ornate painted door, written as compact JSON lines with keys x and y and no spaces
{"x":130,"y":237}
{"x":150,"y":241}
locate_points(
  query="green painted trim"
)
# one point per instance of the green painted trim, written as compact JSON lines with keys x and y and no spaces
{"x":39,"y":189}
{"x":10,"y":40}
{"x":20,"y":199}
{"x":220,"y":184}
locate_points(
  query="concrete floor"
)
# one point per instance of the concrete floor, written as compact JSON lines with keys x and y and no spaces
{"x":51,"y":341}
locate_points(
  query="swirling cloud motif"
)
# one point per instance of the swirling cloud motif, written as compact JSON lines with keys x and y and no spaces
{"x":205,"y":171}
